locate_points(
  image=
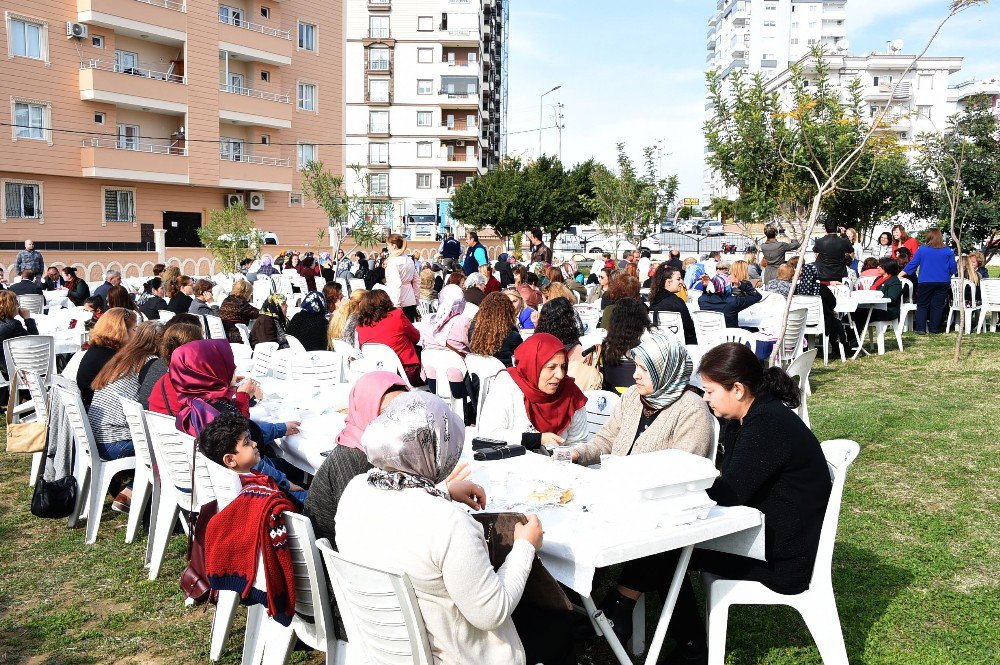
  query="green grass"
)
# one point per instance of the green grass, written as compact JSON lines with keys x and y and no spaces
{"x":914,"y":567}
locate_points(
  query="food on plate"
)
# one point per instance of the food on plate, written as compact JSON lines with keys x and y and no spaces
{"x":551,"y":494}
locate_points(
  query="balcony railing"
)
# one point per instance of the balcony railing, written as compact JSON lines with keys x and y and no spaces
{"x":379,"y":33}
{"x":379,"y":3}
{"x":255,"y":27}
{"x":463,"y":32}
{"x":166,"y":4}
{"x":378,"y":129}
{"x":459,"y":157}
{"x":460,"y":126}
{"x":251,"y":92}
{"x":454,"y":95}
{"x":228,"y":154}
{"x":135,"y":145}
{"x":106,"y":66}
{"x":378,"y":65}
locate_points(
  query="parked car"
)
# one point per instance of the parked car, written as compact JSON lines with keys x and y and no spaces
{"x":713,"y":228}
{"x":666,"y":226}
{"x":617,"y":243}
{"x":689,"y":226}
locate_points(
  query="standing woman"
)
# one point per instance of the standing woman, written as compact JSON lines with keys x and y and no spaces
{"x":76,"y":289}
{"x":774,"y":252}
{"x":309,"y":323}
{"x":934,"y":264}
{"x":900,"y":238}
{"x":310,"y":271}
{"x":271,"y":325}
{"x":402,"y":282}
{"x":884,"y":246}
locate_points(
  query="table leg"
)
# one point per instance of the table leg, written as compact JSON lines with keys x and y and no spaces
{"x":604,"y":626}
{"x":668,"y":606}
{"x":861,"y":343}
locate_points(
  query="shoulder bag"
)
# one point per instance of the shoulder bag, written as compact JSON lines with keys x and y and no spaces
{"x":23,"y":437}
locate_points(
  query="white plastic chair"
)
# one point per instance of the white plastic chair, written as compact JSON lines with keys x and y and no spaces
{"x":424,"y":307}
{"x":308,"y":368}
{"x":907,"y":305}
{"x":865,"y":283}
{"x":706,"y":323}
{"x":33,"y":303}
{"x":670,"y":321}
{"x":244,"y":331}
{"x":879,"y":328}
{"x":379,"y":609}
{"x":294,"y":344}
{"x":39,"y":399}
{"x":738,"y":335}
{"x":166,"y":315}
{"x":263,"y":358}
{"x":800,"y":368}
{"x":146,"y":485}
{"x":958,"y":287}
{"x":383,"y":358}
{"x":443,"y":360}
{"x":816,"y":324}
{"x":485,"y":368}
{"x":817,"y":604}
{"x":991,"y":303}
{"x":356,"y":284}
{"x":470,"y":310}
{"x":93,"y":474}
{"x":600,"y":404}
{"x":790,"y":347}
{"x":262,"y":290}
{"x":214,"y":327}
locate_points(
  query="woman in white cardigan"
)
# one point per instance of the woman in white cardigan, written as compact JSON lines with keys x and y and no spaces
{"x":534,"y":403}
{"x":398,"y":517}
{"x":402,"y":280}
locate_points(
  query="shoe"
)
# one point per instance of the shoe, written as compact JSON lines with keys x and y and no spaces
{"x":618,"y":610}
{"x":121,"y":503}
{"x":689,"y":653}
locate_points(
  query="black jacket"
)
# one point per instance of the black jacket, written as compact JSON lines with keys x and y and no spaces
{"x":671,"y":302}
{"x":774,"y":463}
{"x":11,"y":328}
{"x":23,"y":288}
{"x":730,"y":305}
{"x":91,"y":364}
{"x":831,"y":257}
{"x":79,"y":293}
{"x":180,"y":303}
{"x":152,"y":306}
{"x":53,"y":284}
{"x":310,"y":329}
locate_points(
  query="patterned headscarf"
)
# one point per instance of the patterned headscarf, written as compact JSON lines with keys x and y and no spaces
{"x":272,"y":308}
{"x":669,"y":366}
{"x":415,"y":443}
{"x":475,"y":279}
{"x":451,"y":303}
{"x":314,"y":303}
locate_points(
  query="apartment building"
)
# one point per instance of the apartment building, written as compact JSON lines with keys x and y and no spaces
{"x":127,"y":116}
{"x":423,"y":96}
{"x":958,"y":95}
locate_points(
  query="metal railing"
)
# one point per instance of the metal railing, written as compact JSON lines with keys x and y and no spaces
{"x":166,"y":4}
{"x":460,"y":126}
{"x":378,"y":129}
{"x":379,"y":3}
{"x":379,"y":33}
{"x":453,"y":95}
{"x":230,"y":155}
{"x":143,"y":72}
{"x":379,"y":65}
{"x":251,"y":92}
{"x":135,"y":145}
{"x":255,"y":27}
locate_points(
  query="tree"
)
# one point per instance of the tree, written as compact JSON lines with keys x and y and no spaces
{"x":500,"y":198}
{"x":326,"y":190}
{"x":230,"y":237}
{"x":557,"y":195}
{"x":687,"y":212}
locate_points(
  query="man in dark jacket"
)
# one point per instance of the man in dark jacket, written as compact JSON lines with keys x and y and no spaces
{"x":718,"y":298}
{"x":675,"y":261}
{"x":475,"y":255}
{"x":27,"y":286}
{"x":53,"y":280}
{"x":831,"y":254}
{"x":450,"y":250}
{"x":540,"y":252}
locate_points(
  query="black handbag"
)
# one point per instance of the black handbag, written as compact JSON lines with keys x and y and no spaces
{"x":54,"y":499}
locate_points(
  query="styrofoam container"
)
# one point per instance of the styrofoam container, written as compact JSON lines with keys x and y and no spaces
{"x":655,"y":476}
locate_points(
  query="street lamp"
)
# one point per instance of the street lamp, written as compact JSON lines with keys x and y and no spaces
{"x":540,"y":107}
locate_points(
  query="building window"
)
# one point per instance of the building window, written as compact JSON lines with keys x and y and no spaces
{"x":925,"y":82}
{"x":423,"y":181}
{"x":119,"y":205}
{"x":378,"y":90}
{"x":795,"y":24}
{"x":99,"y":118}
{"x":27,"y":38}
{"x":378,"y":122}
{"x":472,"y":57}
{"x":423,"y":149}
{"x":97,"y":41}
{"x":424,"y":86}
{"x":31,"y":120}
{"x":265,"y":12}
{"x":22,"y":200}
{"x":378,"y":27}
{"x":924,"y":112}
{"x":128,"y":137}
{"x":425,"y":23}
{"x":307,"y":97}
{"x":770,"y":24}
{"x":231,"y":149}
{"x":378,"y":153}
{"x":810,"y":41}
{"x":795,"y":40}
{"x":265,"y":76}
{"x":307,"y":36}
{"x":425,"y":55}
{"x":306,"y":152}
{"x":265,"y":139}
{"x":378,"y":184}
{"x":425,"y":118}
{"x":295,"y":199}
{"x":378,"y":59}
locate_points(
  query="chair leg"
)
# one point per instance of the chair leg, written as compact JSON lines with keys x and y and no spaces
{"x":82,"y":489}
{"x":99,"y":483}
{"x":881,"y":340}
{"x":718,"y":622}
{"x":36,"y":466}
{"x":222,"y":623}
{"x":153,"y":510}
{"x":278,"y":642}
{"x":637,"y":645}
{"x":823,"y":622}
{"x":141,"y":489}
{"x":253,"y":642}
{"x":165,"y":521}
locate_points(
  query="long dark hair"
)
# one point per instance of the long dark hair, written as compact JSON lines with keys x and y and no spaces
{"x":629,"y":320}
{"x":731,"y":363}
{"x":559,"y":318}
{"x":659,"y":281}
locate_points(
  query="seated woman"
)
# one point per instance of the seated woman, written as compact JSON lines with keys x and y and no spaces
{"x":558,"y":318}
{"x":381,"y":323}
{"x":718,"y":296}
{"x":891,"y":287}
{"x":527,"y":285}
{"x":77,"y":290}
{"x":118,"y":297}
{"x":236,"y":308}
{"x":493,"y":331}
{"x":492,"y":283}
{"x":151,"y":301}
{"x":106,"y":339}
{"x":203,"y":298}
{"x":397,"y":517}
{"x":475,"y":288}
{"x":310,"y":271}
{"x":622,"y":285}
{"x":447,"y":328}
{"x":176,"y":333}
{"x":782,"y":283}
{"x":427,"y":282}
{"x":603,"y":277}
{"x":10,"y":326}
{"x":658,"y":412}
{"x":94,"y":305}
{"x":272,"y":323}
{"x":628,"y":324}
{"x":869,"y":268}
{"x":770,"y":461}
{"x":665,"y":296}
{"x":120,"y":378}
{"x":333,"y":294}
{"x":523,"y":312}
{"x":344,"y":321}
{"x":179,"y":291}
{"x":309,"y":323}
{"x":535,"y":403}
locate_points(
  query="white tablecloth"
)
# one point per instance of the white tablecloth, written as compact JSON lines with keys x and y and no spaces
{"x":57,"y":299}
{"x":65,"y":339}
{"x":765,"y":315}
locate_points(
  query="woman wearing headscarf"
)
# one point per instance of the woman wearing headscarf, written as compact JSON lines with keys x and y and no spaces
{"x":447,"y":328}
{"x":266,"y":265}
{"x":535,"y":403}
{"x":271,"y":325}
{"x":309,"y":323}
{"x":327,"y":268}
{"x":504,"y":270}
{"x":397,"y":517}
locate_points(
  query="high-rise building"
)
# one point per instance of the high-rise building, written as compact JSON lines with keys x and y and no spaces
{"x":128,"y":116}
{"x":424,"y":104}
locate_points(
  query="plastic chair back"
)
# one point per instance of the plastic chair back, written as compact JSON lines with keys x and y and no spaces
{"x":79,"y":423}
{"x":309,"y":368}
{"x":383,"y":358}
{"x":35,"y":353}
{"x":485,"y":368}
{"x":443,"y":360}
{"x":173,"y":451}
{"x":671,"y":321}
{"x":908,"y":295}
{"x":244,"y":331}
{"x":738,"y":335}
{"x":225,"y":482}
{"x":799,"y":369}
{"x":380,"y":610}
{"x":136,"y":420}
{"x":32,"y":302}
{"x":356,"y":284}
{"x":312,"y":595}
{"x":814,"y":314}
{"x":840,"y":454}
{"x":865,"y":283}
{"x":706,"y":323}
{"x":166,"y":315}
{"x":600,"y":404}
{"x":39,"y":399}
{"x":262,"y":289}
{"x":470,"y":310}
{"x":263,"y":358}
{"x":214,"y":327}
{"x":790,"y":346}
{"x":294,"y":344}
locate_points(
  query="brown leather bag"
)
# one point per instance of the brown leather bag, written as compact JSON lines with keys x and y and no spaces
{"x":541,"y":589}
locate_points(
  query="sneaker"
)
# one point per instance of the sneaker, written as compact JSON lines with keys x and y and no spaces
{"x":121,"y":503}
{"x":685,"y":654}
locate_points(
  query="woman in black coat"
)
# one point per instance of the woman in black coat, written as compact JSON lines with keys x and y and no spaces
{"x":309,"y":324}
{"x":666,"y":282}
{"x":11,"y":327}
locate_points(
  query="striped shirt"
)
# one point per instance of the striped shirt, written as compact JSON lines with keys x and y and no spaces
{"x":107,"y":419}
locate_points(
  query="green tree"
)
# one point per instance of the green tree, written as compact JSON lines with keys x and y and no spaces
{"x":230,"y":237}
{"x":687,"y":212}
{"x":558,"y":196}
{"x":500,"y":198}
{"x":327,"y":190}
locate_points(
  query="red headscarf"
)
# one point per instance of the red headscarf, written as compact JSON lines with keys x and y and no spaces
{"x":363,"y":405}
{"x":201,"y":372}
{"x":547,"y":413}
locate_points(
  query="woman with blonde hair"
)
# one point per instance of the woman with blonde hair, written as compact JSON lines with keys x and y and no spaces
{"x":344,"y":321}
{"x":236,"y":308}
{"x":109,"y":335}
{"x":521,"y":310}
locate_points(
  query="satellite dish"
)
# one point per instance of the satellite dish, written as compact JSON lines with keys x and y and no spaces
{"x":843,"y":45}
{"x":897,"y":45}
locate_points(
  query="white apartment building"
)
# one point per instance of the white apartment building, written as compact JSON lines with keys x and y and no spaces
{"x":766,"y":36}
{"x":423,"y":103}
{"x":959,"y":94}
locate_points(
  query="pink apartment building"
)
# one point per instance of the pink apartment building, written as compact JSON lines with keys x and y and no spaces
{"x":125,"y":116}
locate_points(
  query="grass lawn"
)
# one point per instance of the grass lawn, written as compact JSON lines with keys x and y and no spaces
{"x":914,"y":567}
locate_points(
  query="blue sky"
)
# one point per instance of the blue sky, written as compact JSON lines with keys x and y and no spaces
{"x":633,"y":70}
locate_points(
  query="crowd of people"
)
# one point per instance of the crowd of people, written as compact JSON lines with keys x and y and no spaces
{"x":392,"y":491}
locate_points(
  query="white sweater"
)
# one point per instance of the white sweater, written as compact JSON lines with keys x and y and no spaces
{"x":465,"y":605}
{"x":504,"y":416}
{"x":402,"y":281}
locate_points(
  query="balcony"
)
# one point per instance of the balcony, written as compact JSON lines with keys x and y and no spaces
{"x":159,"y":20}
{"x":460,"y":127}
{"x":242,"y":169}
{"x":130,"y":159}
{"x":254,"y":41}
{"x":378,"y":129}
{"x":379,"y":5}
{"x":254,"y":107}
{"x":133,"y":87}
{"x":884,"y":90}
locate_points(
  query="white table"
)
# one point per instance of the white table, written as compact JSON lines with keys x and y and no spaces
{"x":848,"y":304}
{"x":764,"y":315}
{"x":65,"y":339}
{"x":56,"y":299}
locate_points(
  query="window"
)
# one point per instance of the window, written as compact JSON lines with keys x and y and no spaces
{"x":29,"y":121}
{"x":294,"y":199}
{"x":378,"y":153}
{"x":472,"y":57}
{"x":424,"y":149}
{"x":423,"y":181}
{"x":795,"y":24}
{"x":378,"y":90}
{"x":378,"y":27}
{"x":99,"y":118}
{"x":795,"y":40}
{"x":265,"y":139}
{"x":22,"y":200}
{"x":424,"y":86}
{"x":425,"y":23}
{"x":378,"y":59}
{"x":27,"y":38}
{"x":230,"y":15}
{"x":425,"y":118}
{"x":306,"y":152}
{"x":770,"y":24}
{"x":126,"y":61}
{"x":97,"y":41}
{"x":307,"y":36}
{"x":378,"y":122}
{"x":810,"y":41}
{"x":447,"y":181}
{"x":812,"y":25}
{"x":265,"y":76}
{"x":265,"y":12}
{"x":770,"y":7}
{"x":307,"y":97}
{"x":128,"y":137}
{"x":119,"y":205}
{"x":231,"y":149}
{"x":924,"y":112}
{"x":925,"y":82}
{"x":378,"y":184}
{"x":425,"y":55}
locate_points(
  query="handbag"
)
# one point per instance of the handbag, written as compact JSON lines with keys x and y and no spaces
{"x":54,"y":499}
{"x":586,"y":375}
{"x":23,"y":437}
{"x":541,"y":589}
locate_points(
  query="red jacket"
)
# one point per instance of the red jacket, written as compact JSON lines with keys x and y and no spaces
{"x":492,"y":286}
{"x":910,"y":244}
{"x":396,"y":332}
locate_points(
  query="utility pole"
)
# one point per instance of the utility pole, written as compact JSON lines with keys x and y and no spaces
{"x":560,"y":125}
{"x":541,"y":107}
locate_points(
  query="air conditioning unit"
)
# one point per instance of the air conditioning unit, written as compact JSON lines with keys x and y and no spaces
{"x":234,"y":200}
{"x":460,"y":144}
{"x":76,"y":30}
{"x":256,"y":201}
